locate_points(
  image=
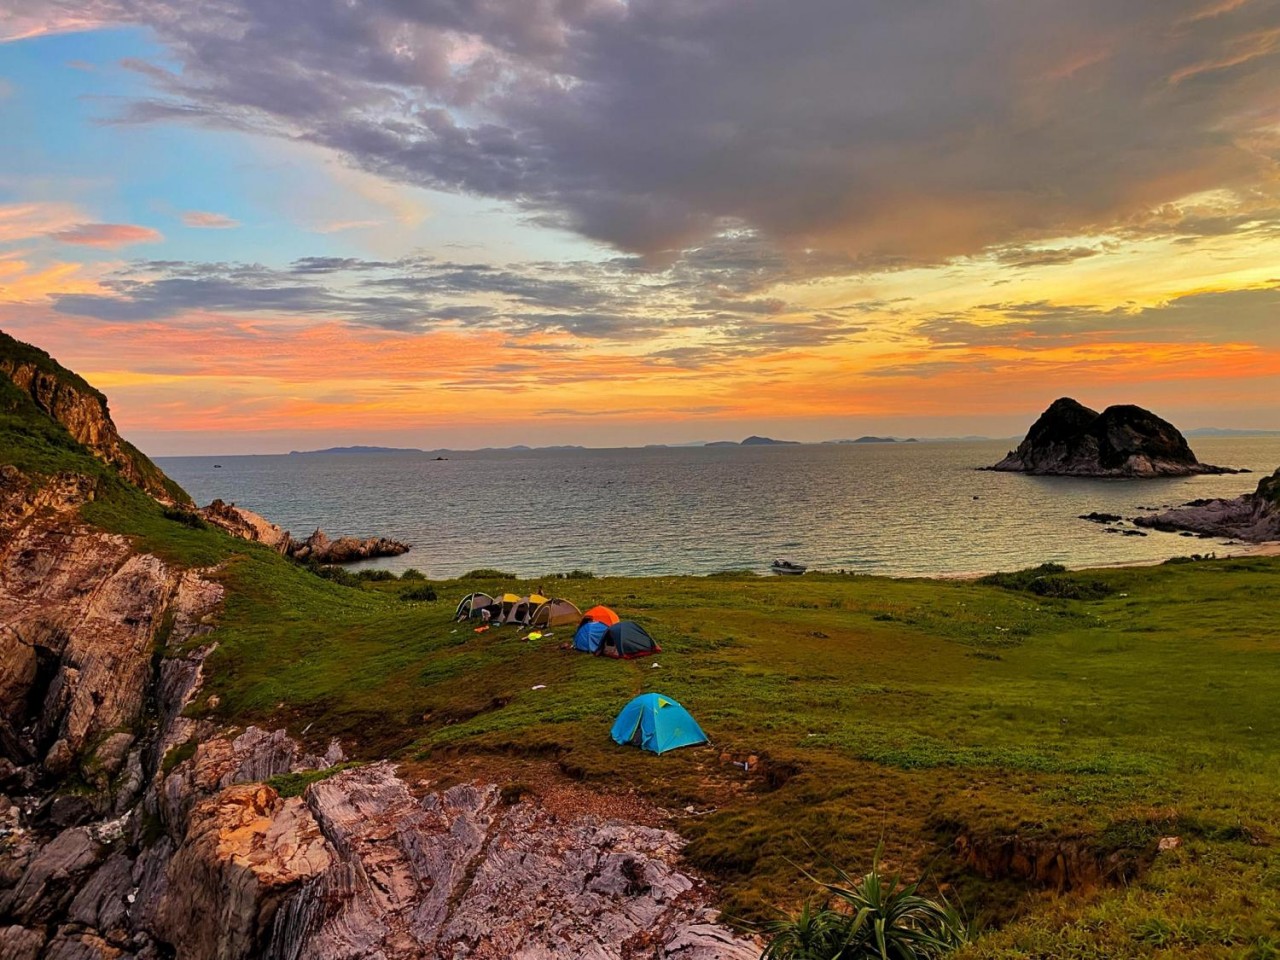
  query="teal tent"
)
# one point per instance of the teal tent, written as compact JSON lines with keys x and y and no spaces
{"x":656,"y":723}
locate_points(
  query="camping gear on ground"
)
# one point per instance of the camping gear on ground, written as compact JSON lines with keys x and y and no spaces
{"x":627,"y":639}
{"x":472,"y":604}
{"x":555,"y":613}
{"x":590,"y":636}
{"x":602,"y":615}
{"x":534,"y":635}
{"x":656,"y":723}
{"x":788,"y":567}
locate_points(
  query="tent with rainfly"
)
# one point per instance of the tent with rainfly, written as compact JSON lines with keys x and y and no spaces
{"x":602,"y":615}
{"x":656,"y":723}
{"x":624,"y":640}
{"x":589,"y":637}
{"x":556,"y":612}
{"x":472,"y":604}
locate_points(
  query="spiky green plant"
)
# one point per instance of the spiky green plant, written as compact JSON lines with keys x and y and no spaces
{"x":874,"y":918}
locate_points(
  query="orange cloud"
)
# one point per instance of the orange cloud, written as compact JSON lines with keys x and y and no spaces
{"x":204,"y":220}
{"x":24,"y":221}
{"x":108,"y":235}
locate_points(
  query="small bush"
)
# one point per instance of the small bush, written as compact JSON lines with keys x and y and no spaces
{"x":188,"y":518}
{"x":295,"y":784}
{"x":375,"y":576}
{"x":422,"y":592}
{"x":1047,"y":580}
{"x":413,"y":574}
{"x":337,"y":574}
{"x":175,"y":755}
{"x":487,"y":573}
{"x":868,"y":919}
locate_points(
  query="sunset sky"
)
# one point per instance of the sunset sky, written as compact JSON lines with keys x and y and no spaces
{"x":261,"y":225}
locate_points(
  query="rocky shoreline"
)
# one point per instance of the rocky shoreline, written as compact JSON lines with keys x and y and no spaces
{"x":317,"y":548}
{"x":1253,"y":517}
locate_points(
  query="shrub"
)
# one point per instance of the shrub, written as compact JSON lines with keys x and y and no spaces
{"x":337,"y":574}
{"x":868,"y":919}
{"x":376,"y":576}
{"x":1047,"y":580}
{"x":423,"y":592}
{"x":413,"y":574}
{"x":574,"y":574}
{"x":188,"y":518}
{"x":487,"y":573}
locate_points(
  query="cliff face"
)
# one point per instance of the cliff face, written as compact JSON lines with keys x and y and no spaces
{"x":1069,"y":439}
{"x":70,"y":401}
{"x":1254,"y":516}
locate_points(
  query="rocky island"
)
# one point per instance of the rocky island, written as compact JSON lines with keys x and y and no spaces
{"x":1070,"y":440}
{"x":1254,"y":517}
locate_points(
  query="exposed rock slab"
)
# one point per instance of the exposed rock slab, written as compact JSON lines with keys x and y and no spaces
{"x":1071,"y":440}
{"x":248,"y":525}
{"x":1254,"y":517}
{"x":460,"y":874}
{"x":244,"y":852}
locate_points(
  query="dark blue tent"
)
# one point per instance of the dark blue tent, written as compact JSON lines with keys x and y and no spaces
{"x":628,"y":639}
{"x":590,"y":636}
{"x":656,"y":723}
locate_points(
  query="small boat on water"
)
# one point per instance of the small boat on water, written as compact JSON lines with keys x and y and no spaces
{"x":788,"y":567}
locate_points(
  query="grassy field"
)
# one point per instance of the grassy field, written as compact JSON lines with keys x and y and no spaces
{"x":916,"y":712}
{"x":910,"y":711}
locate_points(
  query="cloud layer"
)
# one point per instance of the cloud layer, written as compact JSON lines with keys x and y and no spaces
{"x":869,"y":128}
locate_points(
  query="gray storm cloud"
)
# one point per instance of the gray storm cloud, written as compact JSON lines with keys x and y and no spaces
{"x":875,"y":131}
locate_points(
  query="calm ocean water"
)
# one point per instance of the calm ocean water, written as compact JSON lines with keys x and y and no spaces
{"x":898,"y":509}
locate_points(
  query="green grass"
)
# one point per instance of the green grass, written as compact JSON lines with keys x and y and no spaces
{"x":911,"y":710}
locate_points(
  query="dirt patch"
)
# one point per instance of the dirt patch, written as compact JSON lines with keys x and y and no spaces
{"x":1056,"y":864}
{"x":540,"y":778}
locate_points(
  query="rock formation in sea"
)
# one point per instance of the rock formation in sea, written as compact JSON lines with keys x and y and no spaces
{"x":1071,"y":440}
{"x":1254,"y":517}
{"x":136,"y":825}
{"x":248,"y":525}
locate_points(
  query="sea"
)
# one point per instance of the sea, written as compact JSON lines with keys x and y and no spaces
{"x":901,"y":509}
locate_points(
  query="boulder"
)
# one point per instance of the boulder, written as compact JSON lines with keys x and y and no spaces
{"x":1071,"y":440}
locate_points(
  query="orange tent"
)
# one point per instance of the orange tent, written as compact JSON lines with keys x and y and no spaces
{"x":602,"y":615}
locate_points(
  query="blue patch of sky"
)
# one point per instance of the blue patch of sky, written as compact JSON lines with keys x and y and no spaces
{"x":66,"y":87}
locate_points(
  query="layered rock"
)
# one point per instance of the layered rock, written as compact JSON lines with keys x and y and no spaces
{"x":1071,"y":440}
{"x":460,"y":874}
{"x":248,"y":525}
{"x":1254,"y":517}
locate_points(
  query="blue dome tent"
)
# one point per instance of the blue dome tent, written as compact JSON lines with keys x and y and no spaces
{"x":656,"y":723}
{"x":590,"y":636}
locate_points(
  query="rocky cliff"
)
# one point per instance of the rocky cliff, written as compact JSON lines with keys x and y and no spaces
{"x":82,"y":410}
{"x":135,"y":826}
{"x":1071,"y":440}
{"x":1254,"y":516}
